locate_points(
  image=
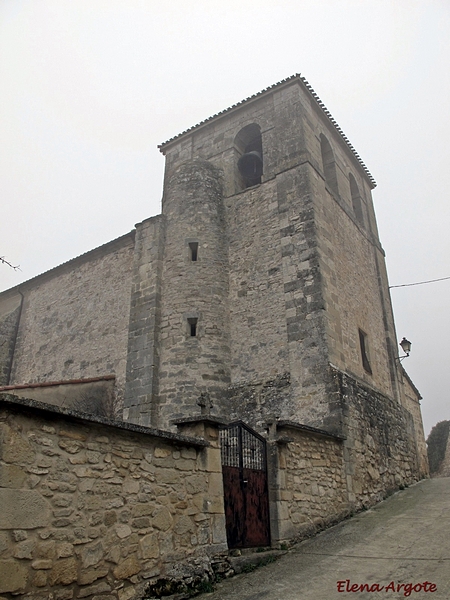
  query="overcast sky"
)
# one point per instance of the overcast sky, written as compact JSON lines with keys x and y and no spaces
{"x":90,"y":87}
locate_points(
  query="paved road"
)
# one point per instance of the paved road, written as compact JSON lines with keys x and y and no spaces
{"x":404,"y":540}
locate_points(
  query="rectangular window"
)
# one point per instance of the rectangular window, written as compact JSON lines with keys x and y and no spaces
{"x":193,"y":251}
{"x":193,"y":327}
{"x":364,"y":351}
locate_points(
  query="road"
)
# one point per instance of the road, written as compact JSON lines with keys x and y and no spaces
{"x":403,"y":540}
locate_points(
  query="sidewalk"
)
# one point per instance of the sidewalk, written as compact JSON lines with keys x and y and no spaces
{"x":403,"y":540}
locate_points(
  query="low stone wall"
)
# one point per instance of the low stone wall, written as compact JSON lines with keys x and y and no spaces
{"x":311,"y":486}
{"x":380,"y":446}
{"x":95,"y":509}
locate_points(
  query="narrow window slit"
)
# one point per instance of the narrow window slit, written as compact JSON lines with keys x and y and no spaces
{"x":193,"y":251}
{"x":364,"y":352}
{"x":193,"y":327}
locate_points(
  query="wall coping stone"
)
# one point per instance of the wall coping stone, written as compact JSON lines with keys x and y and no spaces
{"x":23,"y":404}
{"x":22,"y":386}
{"x":209,"y":420}
{"x":295,"y":425}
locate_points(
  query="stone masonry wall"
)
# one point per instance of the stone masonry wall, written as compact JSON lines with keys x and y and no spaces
{"x":411,"y":401}
{"x":311,"y":484}
{"x":380,"y":448}
{"x":276,"y":310}
{"x":193,"y":289}
{"x":74,"y":321}
{"x":90,"y":508}
{"x":141,"y":392}
{"x":257,"y":309}
{"x":351,"y":292}
{"x":9,"y":318}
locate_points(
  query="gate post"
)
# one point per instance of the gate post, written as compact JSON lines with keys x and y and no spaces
{"x":207,"y":428}
{"x":280,"y":523}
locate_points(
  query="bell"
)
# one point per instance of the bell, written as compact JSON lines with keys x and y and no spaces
{"x":250,"y":166}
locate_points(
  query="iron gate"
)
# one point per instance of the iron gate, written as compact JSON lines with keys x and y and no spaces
{"x":244,"y":471}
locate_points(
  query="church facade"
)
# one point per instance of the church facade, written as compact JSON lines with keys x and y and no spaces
{"x":258,"y":295}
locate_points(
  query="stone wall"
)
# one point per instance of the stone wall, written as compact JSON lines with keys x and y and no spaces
{"x":91,"y":507}
{"x":351,"y":291}
{"x":193,"y":290}
{"x":74,"y":320}
{"x":311,"y":489}
{"x":10,"y":309}
{"x":380,"y":448}
{"x":141,"y":391}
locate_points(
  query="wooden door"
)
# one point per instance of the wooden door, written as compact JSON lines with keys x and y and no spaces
{"x":244,"y":470}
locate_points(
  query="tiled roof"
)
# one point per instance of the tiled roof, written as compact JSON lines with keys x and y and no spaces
{"x":272,"y":87}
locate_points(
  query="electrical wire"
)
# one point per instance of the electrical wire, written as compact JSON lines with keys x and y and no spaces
{"x":418,"y":283}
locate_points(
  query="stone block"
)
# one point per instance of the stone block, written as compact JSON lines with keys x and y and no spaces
{"x":127,"y":593}
{"x":90,"y":575}
{"x":63,"y":594}
{"x":183,"y":525}
{"x":12,"y":476}
{"x":149,"y":546}
{"x":24,"y":549}
{"x":63,"y":572}
{"x":92,"y":556}
{"x":123,"y":531}
{"x":64,"y":550}
{"x":40,"y":579}
{"x":13,"y":576}
{"x":196,"y":483}
{"x":215,"y":488}
{"x":126,"y":569}
{"x":98,"y":588}
{"x":14,"y":448}
{"x":162,"y":519}
{"x":219,"y":534}
{"x":24,"y":509}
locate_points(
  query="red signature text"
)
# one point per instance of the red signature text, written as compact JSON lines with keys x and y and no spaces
{"x":405,"y":588}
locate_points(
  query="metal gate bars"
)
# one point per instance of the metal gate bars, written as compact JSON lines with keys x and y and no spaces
{"x":244,"y":470}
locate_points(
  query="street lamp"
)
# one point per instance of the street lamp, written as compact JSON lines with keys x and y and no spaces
{"x":406,"y":347}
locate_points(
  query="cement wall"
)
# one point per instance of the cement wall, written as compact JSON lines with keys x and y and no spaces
{"x":91,"y":508}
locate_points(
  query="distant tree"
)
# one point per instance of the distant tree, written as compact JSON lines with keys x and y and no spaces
{"x":5,"y":262}
{"x":437,"y":444}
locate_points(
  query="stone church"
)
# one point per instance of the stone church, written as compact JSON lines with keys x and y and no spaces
{"x":258,"y":300}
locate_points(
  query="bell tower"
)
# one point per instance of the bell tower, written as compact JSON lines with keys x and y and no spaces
{"x":265,"y":285}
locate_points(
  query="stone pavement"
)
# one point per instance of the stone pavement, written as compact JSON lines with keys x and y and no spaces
{"x":403,"y":540}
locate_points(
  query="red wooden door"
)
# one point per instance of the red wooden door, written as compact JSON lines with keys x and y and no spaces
{"x":244,"y":470}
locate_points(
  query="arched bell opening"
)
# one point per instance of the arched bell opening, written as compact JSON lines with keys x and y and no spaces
{"x":249,"y":157}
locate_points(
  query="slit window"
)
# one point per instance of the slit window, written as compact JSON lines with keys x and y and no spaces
{"x":193,"y":251}
{"x":329,"y":164}
{"x":364,"y":352}
{"x":356,"y":199}
{"x":192,"y":327}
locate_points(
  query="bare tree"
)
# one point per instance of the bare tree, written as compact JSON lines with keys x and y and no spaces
{"x":6,"y":262}
{"x":100,"y":403}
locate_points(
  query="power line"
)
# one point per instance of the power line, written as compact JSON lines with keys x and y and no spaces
{"x":419,"y":282}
